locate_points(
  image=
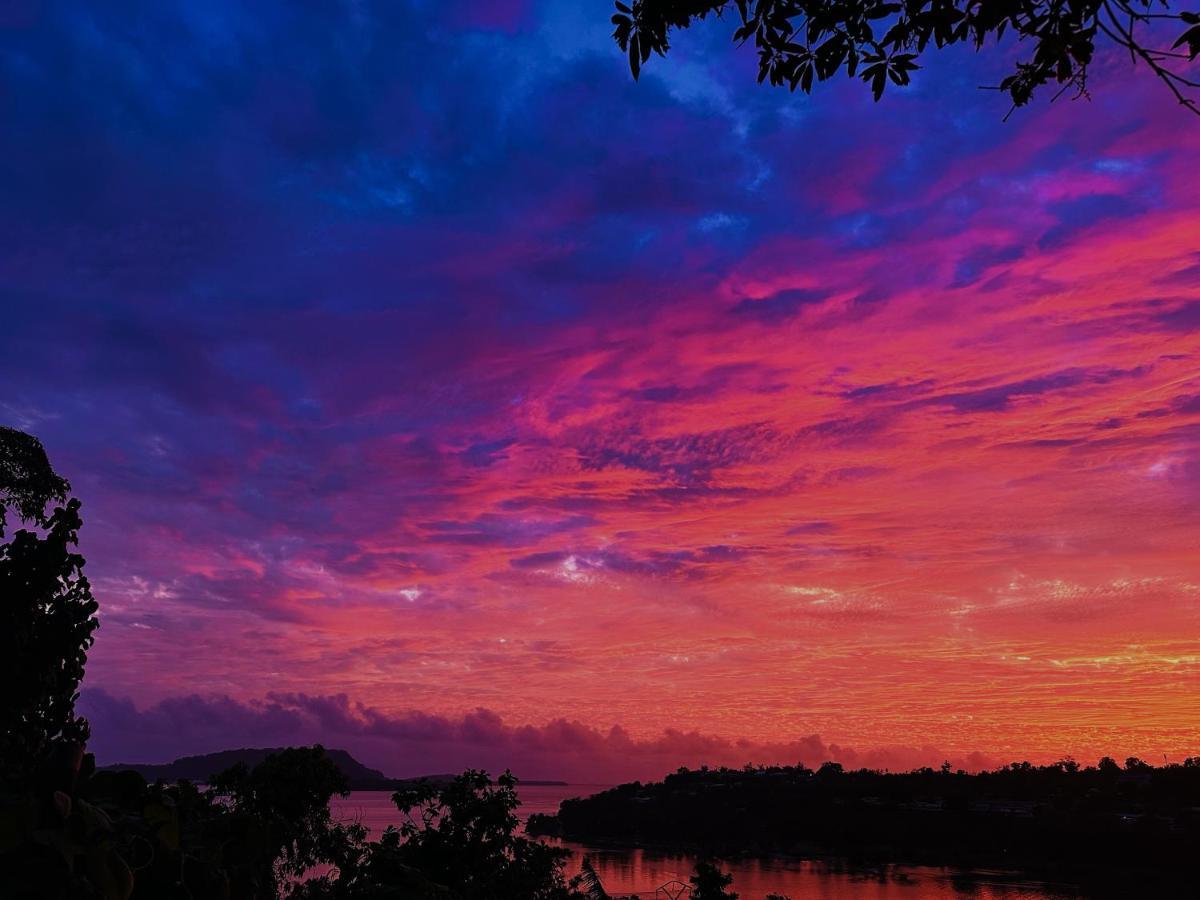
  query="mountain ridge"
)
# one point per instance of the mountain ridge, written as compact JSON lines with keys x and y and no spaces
{"x":202,"y":767}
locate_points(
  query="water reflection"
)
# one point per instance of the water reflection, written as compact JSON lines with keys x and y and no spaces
{"x":636,"y":870}
{"x":640,"y":871}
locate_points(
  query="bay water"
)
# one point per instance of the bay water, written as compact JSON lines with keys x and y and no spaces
{"x":641,"y":871}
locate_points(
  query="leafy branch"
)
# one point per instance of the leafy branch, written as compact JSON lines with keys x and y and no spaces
{"x":804,"y":42}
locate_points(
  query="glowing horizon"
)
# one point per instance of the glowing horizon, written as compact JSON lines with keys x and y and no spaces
{"x":681,"y":405}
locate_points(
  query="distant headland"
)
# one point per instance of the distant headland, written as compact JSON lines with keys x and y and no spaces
{"x":202,"y":767}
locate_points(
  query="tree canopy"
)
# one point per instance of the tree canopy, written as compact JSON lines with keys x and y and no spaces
{"x":27,"y":482}
{"x":709,"y":883}
{"x":803,"y":42}
{"x":459,"y":841}
{"x":47,"y":613}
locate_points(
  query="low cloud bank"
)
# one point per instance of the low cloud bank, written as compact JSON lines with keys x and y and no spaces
{"x":418,"y":743}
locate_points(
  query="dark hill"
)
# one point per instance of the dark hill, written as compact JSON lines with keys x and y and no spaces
{"x":202,"y":768}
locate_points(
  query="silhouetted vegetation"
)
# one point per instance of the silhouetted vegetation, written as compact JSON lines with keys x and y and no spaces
{"x":111,"y":835}
{"x":458,"y":840}
{"x":710,"y":883}
{"x":47,"y":615}
{"x":1060,"y":817}
{"x":588,"y":883}
{"x":27,"y":482}
{"x":802,"y":42}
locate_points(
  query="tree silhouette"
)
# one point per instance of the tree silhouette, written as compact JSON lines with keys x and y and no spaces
{"x":280,"y":811}
{"x":588,"y":882}
{"x":709,"y":883}
{"x":464,"y":835}
{"x":459,"y":840}
{"x":801,"y":42}
{"x":47,"y":613}
{"x":27,"y":482}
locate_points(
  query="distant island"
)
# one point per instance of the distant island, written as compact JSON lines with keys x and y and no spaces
{"x":1060,"y":820}
{"x":201,"y":768}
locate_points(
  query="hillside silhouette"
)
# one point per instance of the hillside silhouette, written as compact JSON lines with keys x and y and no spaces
{"x":202,"y":768}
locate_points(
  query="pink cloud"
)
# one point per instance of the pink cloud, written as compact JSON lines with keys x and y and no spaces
{"x":419,"y":743}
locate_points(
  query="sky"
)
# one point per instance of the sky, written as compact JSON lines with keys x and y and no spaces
{"x":436,"y":391}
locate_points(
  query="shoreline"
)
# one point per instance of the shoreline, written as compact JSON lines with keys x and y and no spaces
{"x":1072,"y":878}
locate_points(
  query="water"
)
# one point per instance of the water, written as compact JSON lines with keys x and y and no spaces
{"x":636,"y":870}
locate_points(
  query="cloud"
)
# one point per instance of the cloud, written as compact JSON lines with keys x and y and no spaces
{"x":420,"y":743}
{"x":1080,"y":213}
{"x":508,"y":531}
{"x":780,"y":305}
{"x":999,"y":397}
{"x":685,"y":458}
{"x":1185,"y":317}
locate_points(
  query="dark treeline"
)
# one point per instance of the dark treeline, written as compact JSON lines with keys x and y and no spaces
{"x":1062,"y":818}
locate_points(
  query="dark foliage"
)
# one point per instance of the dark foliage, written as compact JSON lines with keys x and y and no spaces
{"x":1132,"y":818}
{"x":56,"y":844}
{"x":47,"y":613}
{"x":459,"y":840}
{"x":111,"y":836}
{"x":710,"y":883}
{"x":588,"y":883}
{"x":801,"y":42}
{"x":280,"y":811}
{"x":27,"y":483}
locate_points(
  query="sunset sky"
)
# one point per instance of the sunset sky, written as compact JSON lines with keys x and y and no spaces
{"x":436,"y":391}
